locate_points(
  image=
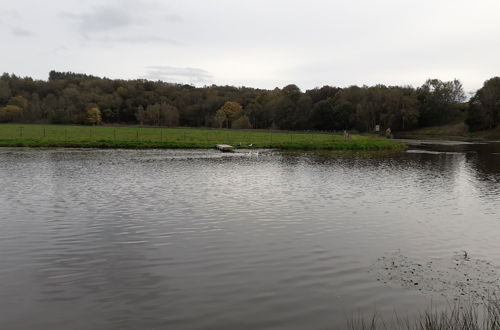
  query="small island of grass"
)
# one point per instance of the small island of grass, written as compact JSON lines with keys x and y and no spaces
{"x":31,"y":135}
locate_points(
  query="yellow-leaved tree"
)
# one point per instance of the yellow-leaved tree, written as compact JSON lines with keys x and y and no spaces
{"x":229,"y":112}
{"x":10,"y":113}
{"x":93,"y":116}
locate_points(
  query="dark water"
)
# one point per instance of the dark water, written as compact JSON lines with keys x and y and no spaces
{"x":123,"y":239}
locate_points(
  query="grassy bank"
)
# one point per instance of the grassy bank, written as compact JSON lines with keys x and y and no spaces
{"x":16,"y":135}
{"x":457,"y":131}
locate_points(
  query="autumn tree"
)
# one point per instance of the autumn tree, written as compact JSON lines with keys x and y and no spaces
{"x":93,"y":116}
{"x":10,"y":113}
{"x":229,"y":112}
{"x":19,"y":101}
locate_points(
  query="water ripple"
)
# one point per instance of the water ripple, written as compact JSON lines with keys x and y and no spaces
{"x":196,"y":239}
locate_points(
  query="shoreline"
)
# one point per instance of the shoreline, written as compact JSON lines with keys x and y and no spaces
{"x":333,"y":146}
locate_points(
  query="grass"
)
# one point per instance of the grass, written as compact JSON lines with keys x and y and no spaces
{"x":458,"y":131}
{"x":468,"y":317}
{"x":29,"y":135}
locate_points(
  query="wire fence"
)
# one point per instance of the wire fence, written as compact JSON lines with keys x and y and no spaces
{"x":104,"y":133}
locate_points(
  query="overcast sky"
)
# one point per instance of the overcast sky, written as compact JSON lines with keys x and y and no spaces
{"x":257,"y":43}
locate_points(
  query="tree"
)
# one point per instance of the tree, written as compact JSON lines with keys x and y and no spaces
{"x":229,"y":112}
{"x":439,"y":101}
{"x":153,"y":114}
{"x":292,"y":91}
{"x":280,"y":107}
{"x":242,"y":123}
{"x":109,"y":115}
{"x":323,"y":93}
{"x":400,"y":109}
{"x":19,"y":101}
{"x":10,"y":113}
{"x":322,"y":115}
{"x":329,"y":115}
{"x":170,"y":115}
{"x":484,"y":107}
{"x":220,"y":118}
{"x":93,"y":116}
{"x":140,"y":115}
{"x":5,"y":92}
{"x":66,"y":97}
{"x":34,"y":112}
{"x":254,"y":111}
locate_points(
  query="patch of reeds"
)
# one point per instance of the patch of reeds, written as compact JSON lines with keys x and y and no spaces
{"x":457,"y":317}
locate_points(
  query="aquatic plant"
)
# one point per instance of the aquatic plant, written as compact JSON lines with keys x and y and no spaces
{"x":463,"y":316}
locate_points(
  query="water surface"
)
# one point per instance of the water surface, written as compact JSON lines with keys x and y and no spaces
{"x":164,"y":239}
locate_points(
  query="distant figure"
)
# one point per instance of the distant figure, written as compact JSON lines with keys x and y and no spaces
{"x":346,"y":135}
{"x":388,"y":133}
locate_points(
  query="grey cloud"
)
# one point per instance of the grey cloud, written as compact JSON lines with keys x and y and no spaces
{"x":20,"y":32}
{"x":123,"y":22}
{"x":9,"y":15}
{"x":13,"y":13}
{"x":102,"y":19}
{"x":119,"y":15}
{"x":173,"y":18}
{"x":139,"y":39}
{"x":178,"y":75}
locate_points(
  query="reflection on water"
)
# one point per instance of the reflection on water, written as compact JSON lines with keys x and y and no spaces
{"x":203,"y":240}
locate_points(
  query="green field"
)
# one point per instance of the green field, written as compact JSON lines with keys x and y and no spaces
{"x":28,"y":135}
{"x":458,"y":131}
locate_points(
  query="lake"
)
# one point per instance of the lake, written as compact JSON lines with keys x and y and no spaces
{"x":197,"y":239}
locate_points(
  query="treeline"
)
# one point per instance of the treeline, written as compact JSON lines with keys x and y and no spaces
{"x":71,"y":98}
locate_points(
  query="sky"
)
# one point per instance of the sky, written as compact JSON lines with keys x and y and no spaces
{"x":255,"y":43}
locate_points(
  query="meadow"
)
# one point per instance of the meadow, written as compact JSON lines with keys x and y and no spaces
{"x":31,"y":135}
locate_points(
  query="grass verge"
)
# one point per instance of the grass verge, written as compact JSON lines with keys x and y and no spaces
{"x":16,"y":135}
